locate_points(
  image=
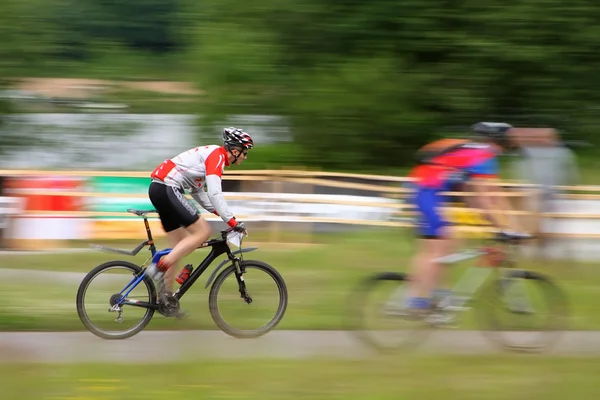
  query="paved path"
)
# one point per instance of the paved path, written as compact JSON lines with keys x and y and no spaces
{"x":156,"y":346}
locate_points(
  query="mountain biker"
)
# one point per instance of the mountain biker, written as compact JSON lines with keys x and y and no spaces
{"x":199,"y":171}
{"x":454,"y":165}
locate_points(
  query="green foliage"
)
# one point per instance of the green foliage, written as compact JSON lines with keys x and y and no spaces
{"x":8,"y":138}
{"x":140,"y":24}
{"x":37,"y":34}
{"x":367,"y":82}
{"x":361,"y":83}
{"x":282,"y":155}
{"x":26,"y":35}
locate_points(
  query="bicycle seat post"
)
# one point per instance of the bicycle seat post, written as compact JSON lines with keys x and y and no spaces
{"x":149,"y":233}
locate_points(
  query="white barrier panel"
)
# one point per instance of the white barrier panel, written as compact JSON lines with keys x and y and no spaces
{"x":286,"y":207}
{"x":47,"y":227}
{"x":291,"y":207}
{"x":573,"y":248}
{"x":573,"y":225}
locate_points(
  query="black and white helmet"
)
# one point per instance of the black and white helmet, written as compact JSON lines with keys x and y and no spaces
{"x":237,"y":137}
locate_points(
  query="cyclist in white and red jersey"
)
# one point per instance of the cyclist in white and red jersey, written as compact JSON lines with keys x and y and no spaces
{"x":199,"y":171}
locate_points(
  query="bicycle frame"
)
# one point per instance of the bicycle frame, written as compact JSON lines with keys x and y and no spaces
{"x":462,"y":296}
{"x":218,"y":247}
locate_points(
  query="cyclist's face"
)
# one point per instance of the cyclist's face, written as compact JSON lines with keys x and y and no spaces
{"x":241,"y":155}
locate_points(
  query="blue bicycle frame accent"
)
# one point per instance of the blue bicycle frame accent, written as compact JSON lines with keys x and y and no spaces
{"x":156,"y":256}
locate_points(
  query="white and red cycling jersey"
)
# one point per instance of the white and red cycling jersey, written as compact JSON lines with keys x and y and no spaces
{"x":199,"y":170}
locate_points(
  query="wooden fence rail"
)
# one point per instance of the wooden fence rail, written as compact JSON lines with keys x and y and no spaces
{"x":391,"y":187}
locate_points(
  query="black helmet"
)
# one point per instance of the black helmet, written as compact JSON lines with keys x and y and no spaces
{"x":496,"y":131}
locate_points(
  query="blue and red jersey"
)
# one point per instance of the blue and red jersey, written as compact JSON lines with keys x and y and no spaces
{"x":469,"y":161}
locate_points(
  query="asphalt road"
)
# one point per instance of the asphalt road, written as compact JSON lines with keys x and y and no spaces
{"x":162,"y":346}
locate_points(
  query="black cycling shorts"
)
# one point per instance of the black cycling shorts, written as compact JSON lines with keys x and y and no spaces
{"x":173,"y":209}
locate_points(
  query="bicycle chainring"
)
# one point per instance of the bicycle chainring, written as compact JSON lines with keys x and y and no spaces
{"x":168,"y":306}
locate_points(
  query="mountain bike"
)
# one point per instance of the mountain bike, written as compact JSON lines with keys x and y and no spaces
{"x":493,"y":289}
{"x":134,"y":296}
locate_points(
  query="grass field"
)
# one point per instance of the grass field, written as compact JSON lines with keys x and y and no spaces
{"x":411,"y":377}
{"x":320,"y":280}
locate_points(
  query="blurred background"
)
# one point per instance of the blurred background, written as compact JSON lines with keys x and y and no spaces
{"x":348,"y":83}
{"x":338,"y":96}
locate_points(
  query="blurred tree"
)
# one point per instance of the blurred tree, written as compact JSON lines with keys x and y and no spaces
{"x":26,"y":36}
{"x":368,"y":82}
{"x":146,"y":25}
{"x":10,"y":139}
{"x":361,"y":83}
{"x":24,"y":42}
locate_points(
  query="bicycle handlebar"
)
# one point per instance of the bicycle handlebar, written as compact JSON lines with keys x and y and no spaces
{"x":225,"y":232}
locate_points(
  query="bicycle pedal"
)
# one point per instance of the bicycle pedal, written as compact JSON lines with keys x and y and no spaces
{"x":523,"y":312}
{"x":180,"y":314}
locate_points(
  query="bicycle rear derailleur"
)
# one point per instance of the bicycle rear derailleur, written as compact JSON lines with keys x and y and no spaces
{"x":115,"y":307}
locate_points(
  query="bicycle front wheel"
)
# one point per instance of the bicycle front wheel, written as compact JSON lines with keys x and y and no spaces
{"x":239,"y":318}
{"x":99,"y":293}
{"x":522,"y":311}
{"x":377,"y":315}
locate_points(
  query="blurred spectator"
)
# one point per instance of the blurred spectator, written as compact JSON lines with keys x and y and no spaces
{"x":546,"y":162}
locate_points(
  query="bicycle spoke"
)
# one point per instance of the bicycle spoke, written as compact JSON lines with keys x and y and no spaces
{"x":524,"y":312}
{"x":379,"y":317}
{"x":102,"y":308}
{"x":233,"y":311}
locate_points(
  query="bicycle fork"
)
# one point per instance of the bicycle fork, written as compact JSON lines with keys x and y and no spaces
{"x":239,"y":276}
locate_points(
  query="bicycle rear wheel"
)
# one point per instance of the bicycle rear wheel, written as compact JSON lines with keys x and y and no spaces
{"x":522,"y":311}
{"x":99,"y":292}
{"x":269,"y":299}
{"x":378,"y":318}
